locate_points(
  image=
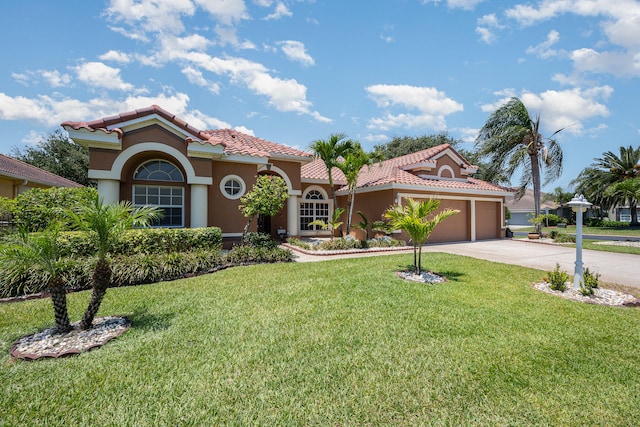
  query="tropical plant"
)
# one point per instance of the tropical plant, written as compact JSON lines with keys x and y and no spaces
{"x":333,"y":224}
{"x":329,"y":151}
{"x":363,"y":224}
{"x":558,"y":279}
{"x":414,"y":219}
{"x":511,"y":140}
{"x":627,"y":192}
{"x":266,"y":197}
{"x":39,"y":253}
{"x":105,"y":222}
{"x":610,"y":169}
{"x":353,"y":161}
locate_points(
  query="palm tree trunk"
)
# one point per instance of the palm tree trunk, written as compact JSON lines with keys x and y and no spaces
{"x":415,"y":258}
{"x":352,"y":200}
{"x":535,"y":178}
{"x":420,"y":259}
{"x":101,"y":280}
{"x":59,"y":299}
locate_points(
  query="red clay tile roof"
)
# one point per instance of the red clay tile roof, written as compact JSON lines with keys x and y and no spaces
{"x":234,"y":142}
{"x":241,"y":143}
{"x":15,"y":169}
{"x":391,"y":172}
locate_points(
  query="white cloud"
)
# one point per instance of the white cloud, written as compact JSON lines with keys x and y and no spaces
{"x":622,"y":64}
{"x":432,"y":106}
{"x":296,"y":51}
{"x":55,"y":79}
{"x":457,"y":4}
{"x":195,"y":76}
{"x":486,"y":26}
{"x":544,"y":50}
{"x":568,"y":109}
{"x":115,"y":56}
{"x":244,"y":129}
{"x":100,"y":75}
{"x":155,"y":16}
{"x":33,"y":138}
{"x":377,"y":137}
{"x":280,"y":11}
{"x":21,"y":78}
{"x":227,"y":11}
{"x":486,"y":35}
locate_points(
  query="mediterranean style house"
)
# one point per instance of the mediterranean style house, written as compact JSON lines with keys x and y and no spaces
{"x":197,"y":177}
{"x":17,"y":177}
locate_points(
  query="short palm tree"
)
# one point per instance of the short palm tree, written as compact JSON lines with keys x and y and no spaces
{"x":41,"y":252}
{"x":105,"y":222}
{"x":414,"y":219}
{"x":332,"y":224}
{"x":329,"y":151}
{"x":511,"y":140}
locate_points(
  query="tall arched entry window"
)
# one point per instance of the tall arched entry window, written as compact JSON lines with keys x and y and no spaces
{"x":161,"y":184}
{"x":314,"y":206}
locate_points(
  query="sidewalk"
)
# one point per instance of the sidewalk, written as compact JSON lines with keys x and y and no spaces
{"x":622,"y":269}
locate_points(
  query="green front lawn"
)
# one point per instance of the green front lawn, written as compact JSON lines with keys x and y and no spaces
{"x":335,"y":343}
{"x":606,"y":231}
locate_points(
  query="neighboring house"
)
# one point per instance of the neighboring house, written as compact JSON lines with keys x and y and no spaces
{"x":524,"y":209}
{"x":17,"y":177}
{"x":197,"y":177}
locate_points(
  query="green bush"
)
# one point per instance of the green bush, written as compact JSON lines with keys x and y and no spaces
{"x":557,"y":279}
{"x":35,"y":208}
{"x":299,"y":243}
{"x":242,"y":255}
{"x":559,"y":237}
{"x":146,"y":241}
{"x":261,"y":240}
{"x":590,"y":281}
{"x":342,"y":244}
{"x":542,"y":219}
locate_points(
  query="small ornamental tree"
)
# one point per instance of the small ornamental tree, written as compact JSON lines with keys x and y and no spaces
{"x":415,"y":219}
{"x":267,"y":197}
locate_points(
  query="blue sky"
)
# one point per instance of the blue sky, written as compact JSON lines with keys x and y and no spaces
{"x":292,"y":71}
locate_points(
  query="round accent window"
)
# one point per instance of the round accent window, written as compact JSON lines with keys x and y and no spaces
{"x":232,"y":187}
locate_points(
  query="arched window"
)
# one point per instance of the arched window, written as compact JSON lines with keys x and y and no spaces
{"x":314,"y":206}
{"x":169,"y":196}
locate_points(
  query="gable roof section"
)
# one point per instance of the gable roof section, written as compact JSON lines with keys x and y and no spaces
{"x":230,"y":141}
{"x":15,"y":169}
{"x":395,"y":172}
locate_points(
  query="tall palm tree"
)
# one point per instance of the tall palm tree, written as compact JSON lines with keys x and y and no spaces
{"x":353,"y":161}
{"x":606,"y":171}
{"x":414,"y":219}
{"x":329,"y":151}
{"x":511,"y":140}
{"x":40,"y":251}
{"x":105,"y":222}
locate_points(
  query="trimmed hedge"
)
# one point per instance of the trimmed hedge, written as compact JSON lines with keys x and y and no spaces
{"x":143,"y":268}
{"x":145,"y":241}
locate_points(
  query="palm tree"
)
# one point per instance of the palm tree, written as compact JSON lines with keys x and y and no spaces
{"x":329,"y":151}
{"x":604,"y":172}
{"x":363,"y":224}
{"x":511,"y":140}
{"x":414,"y":220}
{"x":105,"y":222}
{"x":40,"y":251}
{"x":627,"y":191}
{"x":353,"y":161}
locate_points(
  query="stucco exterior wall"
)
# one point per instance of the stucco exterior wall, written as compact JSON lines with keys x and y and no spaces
{"x":6,"y":188}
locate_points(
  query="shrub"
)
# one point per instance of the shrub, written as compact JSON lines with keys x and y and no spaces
{"x":342,"y":244}
{"x":242,"y":255}
{"x":542,"y":219}
{"x":300,"y":243}
{"x":590,"y":281}
{"x":260,"y":240}
{"x":146,"y":241}
{"x":562,"y":237}
{"x":34,"y":209}
{"x":557,"y":279}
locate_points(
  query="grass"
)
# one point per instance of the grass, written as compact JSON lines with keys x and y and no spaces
{"x":335,"y":343}
{"x":606,"y":231}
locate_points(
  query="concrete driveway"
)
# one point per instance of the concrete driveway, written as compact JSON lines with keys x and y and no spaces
{"x":622,"y":269}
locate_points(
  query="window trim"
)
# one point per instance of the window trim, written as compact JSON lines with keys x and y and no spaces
{"x":223,"y":190}
{"x":326,"y":199}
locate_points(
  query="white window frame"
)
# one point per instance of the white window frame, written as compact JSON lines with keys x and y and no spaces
{"x":225,"y":180}
{"x":162,"y":205}
{"x":325,"y":199}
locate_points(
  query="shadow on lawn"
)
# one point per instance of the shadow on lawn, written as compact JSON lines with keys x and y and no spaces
{"x":142,"y":319}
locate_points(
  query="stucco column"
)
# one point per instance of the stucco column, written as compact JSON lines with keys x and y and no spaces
{"x":292,"y":215}
{"x":109,"y":190}
{"x":198,"y":205}
{"x":472,"y":210}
